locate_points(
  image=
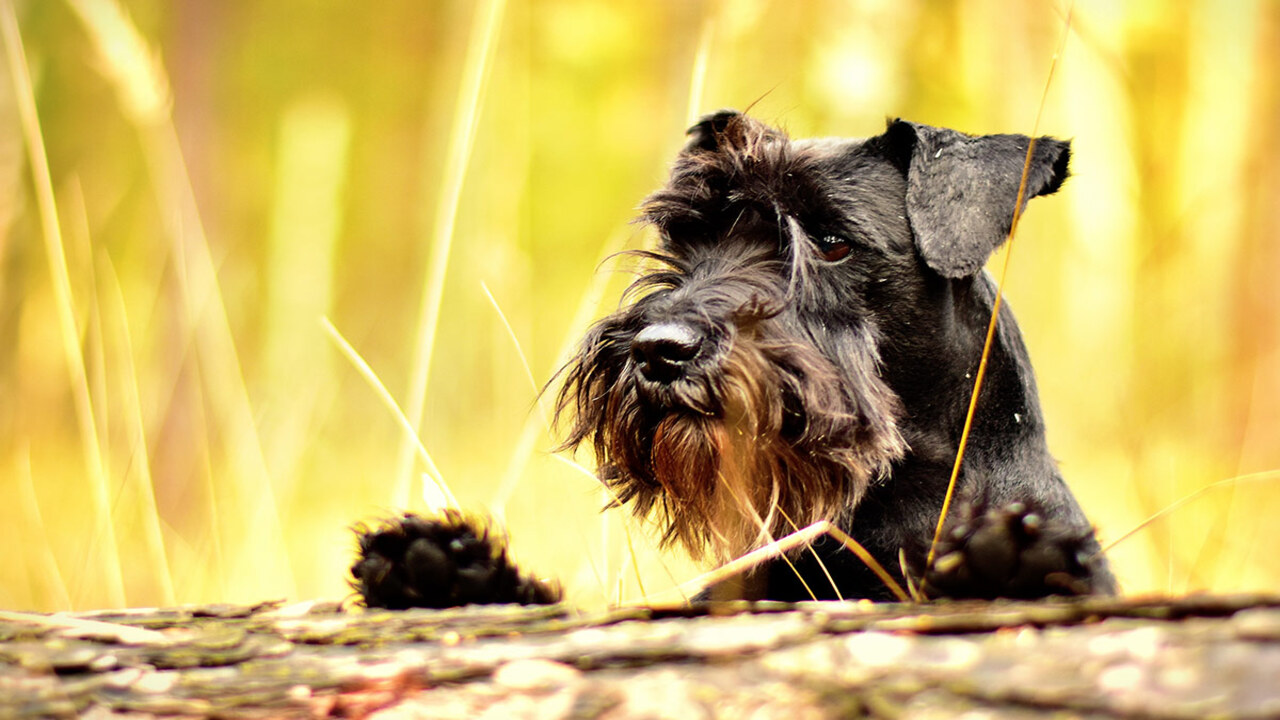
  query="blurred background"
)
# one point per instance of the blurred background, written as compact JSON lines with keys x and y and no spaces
{"x":190,"y":190}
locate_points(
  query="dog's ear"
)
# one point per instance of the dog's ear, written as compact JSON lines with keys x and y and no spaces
{"x":961,"y":189}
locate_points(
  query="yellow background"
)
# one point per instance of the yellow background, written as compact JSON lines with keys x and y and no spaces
{"x":177,"y":425}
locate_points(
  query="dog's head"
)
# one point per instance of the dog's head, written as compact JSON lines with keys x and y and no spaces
{"x":738,"y":391}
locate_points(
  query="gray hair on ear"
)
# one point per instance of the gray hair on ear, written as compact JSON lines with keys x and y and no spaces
{"x":961,"y":189}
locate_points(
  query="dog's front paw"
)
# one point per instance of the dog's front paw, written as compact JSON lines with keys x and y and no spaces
{"x":438,"y":562}
{"x":1012,"y":552}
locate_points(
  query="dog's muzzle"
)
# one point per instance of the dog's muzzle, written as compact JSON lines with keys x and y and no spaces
{"x":663,"y":352}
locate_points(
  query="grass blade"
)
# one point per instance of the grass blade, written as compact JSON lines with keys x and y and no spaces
{"x":254,"y":518}
{"x":30,"y":508}
{"x":99,"y":494}
{"x":480,"y":51}
{"x":371,"y":377}
{"x":136,"y":430}
{"x":995,"y":306}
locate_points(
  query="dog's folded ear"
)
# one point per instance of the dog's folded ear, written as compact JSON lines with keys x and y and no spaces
{"x":961,"y":189}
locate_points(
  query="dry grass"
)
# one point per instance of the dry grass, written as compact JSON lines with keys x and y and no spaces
{"x":102,"y":540}
{"x":189,"y":192}
{"x":981,"y":373}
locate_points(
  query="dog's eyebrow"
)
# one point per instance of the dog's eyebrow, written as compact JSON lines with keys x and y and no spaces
{"x":799,"y":268}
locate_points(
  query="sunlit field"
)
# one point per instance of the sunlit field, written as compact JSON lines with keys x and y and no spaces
{"x":252,"y":252}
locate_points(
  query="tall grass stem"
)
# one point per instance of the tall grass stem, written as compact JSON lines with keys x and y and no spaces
{"x":99,"y":494}
{"x":480,"y":52}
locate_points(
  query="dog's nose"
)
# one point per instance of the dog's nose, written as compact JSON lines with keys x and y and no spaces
{"x":663,"y":350}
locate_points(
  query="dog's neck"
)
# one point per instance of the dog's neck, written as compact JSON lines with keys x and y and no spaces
{"x":954,"y":319}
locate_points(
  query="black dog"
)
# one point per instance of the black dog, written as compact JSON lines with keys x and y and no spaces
{"x":804,"y":349}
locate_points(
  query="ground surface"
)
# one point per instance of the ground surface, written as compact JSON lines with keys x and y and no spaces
{"x":1186,"y":658}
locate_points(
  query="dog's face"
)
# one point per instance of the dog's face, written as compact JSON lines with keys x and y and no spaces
{"x":739,"y":392}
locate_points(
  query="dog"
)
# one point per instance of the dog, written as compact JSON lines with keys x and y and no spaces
{"x":802,"y":348}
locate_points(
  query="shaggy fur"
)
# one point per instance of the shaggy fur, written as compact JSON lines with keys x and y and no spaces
{"x":438,"y":562}
{"x":761,"y":429}
{"x":801,"y":346}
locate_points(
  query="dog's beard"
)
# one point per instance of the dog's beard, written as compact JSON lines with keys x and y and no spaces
{"x":773,"y":440}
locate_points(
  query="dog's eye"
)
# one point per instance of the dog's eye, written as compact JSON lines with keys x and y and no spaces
{"x":832,"y":248}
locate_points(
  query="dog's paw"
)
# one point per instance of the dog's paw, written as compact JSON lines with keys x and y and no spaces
{"x":1012,"y":552}
{"x":438,"y":562}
